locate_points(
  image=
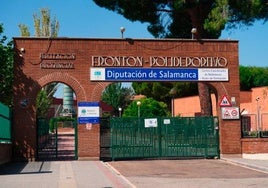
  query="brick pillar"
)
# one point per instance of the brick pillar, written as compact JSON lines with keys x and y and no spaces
{"x":89,"y":142}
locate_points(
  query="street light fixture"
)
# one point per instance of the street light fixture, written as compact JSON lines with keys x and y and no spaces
{"x":139,"y":104}
{"x":173,"y":92}
{"x":258,"y":116}
{"x":193,"y":31}
{"x":122,"y":29}
{"x":120,"y":111}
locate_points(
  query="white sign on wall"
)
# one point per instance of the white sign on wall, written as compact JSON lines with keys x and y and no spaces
{"x":213,"y":75}
{"x":88,"y":112}
{"x":230,"y":113}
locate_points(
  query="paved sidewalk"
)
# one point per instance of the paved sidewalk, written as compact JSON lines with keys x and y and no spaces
{"x":60,"y":174}
{"x":260,"y":165}
{"x":225,"y":172}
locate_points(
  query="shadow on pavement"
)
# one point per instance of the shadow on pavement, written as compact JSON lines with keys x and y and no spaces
{"x":16,"y":168}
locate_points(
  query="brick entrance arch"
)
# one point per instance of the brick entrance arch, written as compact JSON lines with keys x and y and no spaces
{"x":67,"y":79}
{"x":39,"y":61}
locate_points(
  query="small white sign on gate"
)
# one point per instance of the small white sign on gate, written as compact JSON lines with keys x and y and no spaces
{"x":151,"y":122}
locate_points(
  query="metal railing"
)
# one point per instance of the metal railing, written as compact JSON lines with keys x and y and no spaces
{"x":254,"y":126}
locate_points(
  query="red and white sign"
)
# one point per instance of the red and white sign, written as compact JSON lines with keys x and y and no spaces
{"x":230,"y":113}
{"x":225,"y":101}
{"x":89,"y":126}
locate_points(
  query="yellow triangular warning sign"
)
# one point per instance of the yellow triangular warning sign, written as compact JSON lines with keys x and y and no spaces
{"x":225,"y":101}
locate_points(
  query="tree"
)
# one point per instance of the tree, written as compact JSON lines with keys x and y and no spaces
{"x":177,"y":18}
{"x":6,"y":69}
{"x":155,"y":90}
{"x":44,"y":27}
{"x":43,"y":24}
{"x":162,"y":91}
{"x":117,"y":96}
{"x":24,"y":30}
{"x":253,"y":77}
{"x":148,"y":108}
{"x":43,"y":102}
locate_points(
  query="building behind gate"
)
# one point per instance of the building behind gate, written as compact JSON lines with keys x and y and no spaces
{"x":81,"y":64}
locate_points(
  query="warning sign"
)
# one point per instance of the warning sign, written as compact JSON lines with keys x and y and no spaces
{"x":230,"y":113}
{"x":224,"y":101}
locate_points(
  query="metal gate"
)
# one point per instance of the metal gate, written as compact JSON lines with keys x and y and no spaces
{"x":53,"y":143}
{"x":176,"y":137}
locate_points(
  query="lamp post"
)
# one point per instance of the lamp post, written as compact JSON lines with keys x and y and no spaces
{"x":120,"y":111}
{"x":139,"y":104}
{"x":122,"y":29}
{"x":193,"y":31}
{"x":258,"y":116}
{"x":173,"y":92}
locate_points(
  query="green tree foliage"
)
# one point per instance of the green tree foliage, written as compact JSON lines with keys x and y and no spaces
{"x":117,"y":96}
{"x":43,"y":102}
{"x":6,"y":69}
{"x":148,"y":108}
{"x":162,"y":91}
{"x":156,"y":90}
{"x":253,"y":77}
{"x":185,"y":89}
{"x":43,"y":24}
{"x":24,"y":30}
{"x":176,"y":18}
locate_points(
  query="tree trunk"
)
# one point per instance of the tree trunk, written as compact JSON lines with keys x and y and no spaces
{"x":205,"y":99}
{"x":197,"y":16}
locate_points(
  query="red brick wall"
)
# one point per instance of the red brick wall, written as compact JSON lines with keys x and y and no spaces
{"x":30,"y":78}
{"x":254,"y":145}
{"x":88,"y":141}
{"x":245,"y":96}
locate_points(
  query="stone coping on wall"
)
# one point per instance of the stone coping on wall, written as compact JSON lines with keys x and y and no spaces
{"x":256,"y":156}
{"x":127,"y":39}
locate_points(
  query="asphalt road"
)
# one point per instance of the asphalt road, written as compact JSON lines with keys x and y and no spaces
{"x":189,"y":173}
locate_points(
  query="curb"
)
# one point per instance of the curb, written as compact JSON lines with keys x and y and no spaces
{"x":119,"y":174}
{"x":245,"y":165}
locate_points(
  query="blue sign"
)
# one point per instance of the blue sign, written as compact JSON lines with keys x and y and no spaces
{"x":85,"y":120}
{"x":157,"y":74}
{"x":88,"y":112}
{"x":88,"y":104}
{"x":144,"y":74}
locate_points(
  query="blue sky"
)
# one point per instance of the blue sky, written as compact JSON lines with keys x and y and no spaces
{"x":82,"y":18}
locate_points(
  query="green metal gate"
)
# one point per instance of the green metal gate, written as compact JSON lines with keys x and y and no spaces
{"x":55,"y":145}
{"x":176,"y":137}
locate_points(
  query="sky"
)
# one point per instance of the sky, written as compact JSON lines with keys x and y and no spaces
{"x":84,"y":19}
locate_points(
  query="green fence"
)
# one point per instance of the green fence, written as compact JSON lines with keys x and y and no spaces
{"x":164,"y":137}
{"x":5,"y":124}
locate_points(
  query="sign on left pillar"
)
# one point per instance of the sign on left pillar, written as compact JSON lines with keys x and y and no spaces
{"x":88,"y":112}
